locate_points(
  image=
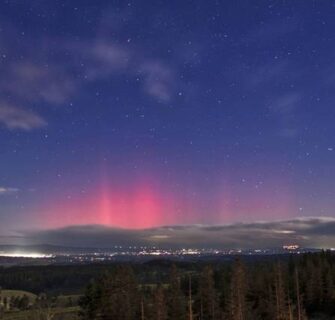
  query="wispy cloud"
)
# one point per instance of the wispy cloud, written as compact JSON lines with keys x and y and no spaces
{"x":111,"y":55}
{"x":104,"y":58}
{"x":286,"y":104}
{"x":8,"y":191}
{"x":307,"y":232}
{"x":158,"y":81}
{"x":283,"y":104}
{"x":285,"y":108}
{"x":52,"y":71}
{"x":35,"y":82}
{"x":13,"y":117}
{"x":26,"y":83}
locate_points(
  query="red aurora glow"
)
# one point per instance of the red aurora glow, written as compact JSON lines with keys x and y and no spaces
{"x":146,"y":204}
{"x":139,"y":208}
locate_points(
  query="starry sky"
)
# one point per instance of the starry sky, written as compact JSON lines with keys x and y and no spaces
{"x":148,"y":113}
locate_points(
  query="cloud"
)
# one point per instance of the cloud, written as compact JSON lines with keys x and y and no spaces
{"x":158,"y":80}
{"x":111,"y":55}
{"x":286,"y":104}
{"x":8,"y":191}
{"x":36,"y":82}
{"x":285,"y":108}
{"x":104,"y":58}
{"x":14,"y":117}
{"x":50,"y":70}
{"x":28,"y":83}
{"x":307,"y":232}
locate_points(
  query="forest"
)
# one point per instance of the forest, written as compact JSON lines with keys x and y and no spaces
{"x":296,"y":287}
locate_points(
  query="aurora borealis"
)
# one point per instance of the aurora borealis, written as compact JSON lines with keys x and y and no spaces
{"x":150,"y":113}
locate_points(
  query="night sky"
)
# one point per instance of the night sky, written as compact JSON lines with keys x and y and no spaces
{"x":148,"y":113}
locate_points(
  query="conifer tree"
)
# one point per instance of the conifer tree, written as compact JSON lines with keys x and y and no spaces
{"x":282,"y":312}
{"x":301,"y":313}
{"x":237,"y":308}
{"x":176,"y":301}
{"x":115,"y":297}
{"x":90,"y":302}
{"x":160,"y":312}
{"x":208,"y":295}
{"x":190,"y":301}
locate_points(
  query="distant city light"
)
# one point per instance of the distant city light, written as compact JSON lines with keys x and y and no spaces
{"x":291,"y":247}
{"x":32,"y":255}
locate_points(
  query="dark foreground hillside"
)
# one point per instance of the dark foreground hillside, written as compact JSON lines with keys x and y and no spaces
{"x":280,"y":288}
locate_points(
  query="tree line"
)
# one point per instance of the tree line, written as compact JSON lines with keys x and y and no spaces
{"x":291,"y":289}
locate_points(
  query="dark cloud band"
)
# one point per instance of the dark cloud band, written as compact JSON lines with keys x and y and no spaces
{"x":307,"y":232}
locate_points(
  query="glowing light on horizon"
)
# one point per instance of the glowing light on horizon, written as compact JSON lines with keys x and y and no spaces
{"x":32,"y":255}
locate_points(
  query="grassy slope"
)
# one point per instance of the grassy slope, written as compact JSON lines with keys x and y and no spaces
{"x":70,"y":313}
{"x":61,"y":311}
{"x":18,"y":293}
